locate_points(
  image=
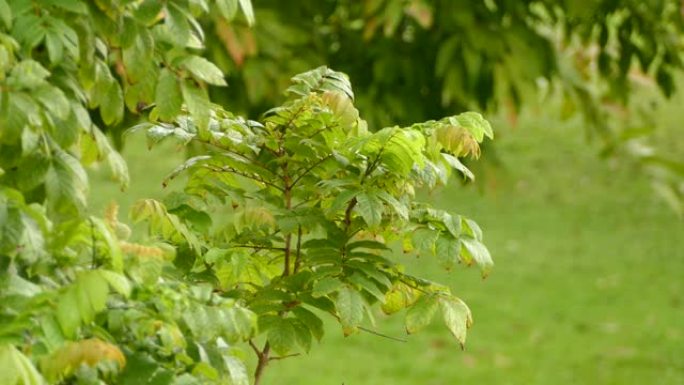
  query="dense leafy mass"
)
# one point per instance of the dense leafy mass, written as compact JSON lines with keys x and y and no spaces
{"x":280,"y":222}
{"x":413,"y":60}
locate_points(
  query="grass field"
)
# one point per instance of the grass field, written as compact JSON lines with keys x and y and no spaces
{"x":588,"y":286}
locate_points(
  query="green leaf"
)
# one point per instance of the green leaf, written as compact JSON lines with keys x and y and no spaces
{"x":423,"y":240}
{"x":303,"y":334}
{"x":476,"y":124}
{"x":17,"y":369}
{"x":67,"y":314}
{"x":66,"y":184}
{"x":457,"y":317}
{"x":456,"y":163}
{"x":51,"y":331}
{"x":371,"y":208}
{"x":367,"y":244}
{"x":325,"y":286}
{"x":350,"y":305}
{"x":32,"y":240}
{"x":28,"y":74}
{"x":247,"y":10}
{"x":197,"y":102}
{"x":92,"y":293}
{"x":204,"y":70}
{"x":447,"y":249}
{"x":54,"y":100}
{"x":177,"y":24}
{"x":10,"y":374}
{"x":368,"y":285}
{"x":471,"y":250}
{"x":117,"y":281}
{"x":311,"y":320}
{"x":282,"y":336}
{"x":112,"y":107}
{"x":421,"y":313}
{"x":113,"y":251}
{"x":397,"y":206}
{"x":471,"y":228}
{"x":6,"y":14}
{"x":116,"y":163}
{"x":237,"y":370}
{"x":55,"y":48}
{"x":147,"y":11}
{"x":168,"y":95}
{"x":228,"y":8}
{"x":169,"y":225}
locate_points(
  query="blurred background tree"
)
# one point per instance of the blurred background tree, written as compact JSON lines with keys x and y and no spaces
{"x":413,"y":60}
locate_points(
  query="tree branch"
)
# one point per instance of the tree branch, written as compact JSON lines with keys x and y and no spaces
{"x":347,"y":214}
{"x":372,"y":166}
{"x":262,"y":362}
{"x":243,"y":174}
{"x":303,"y":174}
{"x":256,"y":247}
{"x":380,"y":334}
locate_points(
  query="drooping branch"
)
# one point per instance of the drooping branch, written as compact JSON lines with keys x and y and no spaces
{"x":243,"y":174}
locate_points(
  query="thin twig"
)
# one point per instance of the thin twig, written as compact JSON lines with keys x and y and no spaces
{"x":347,"y":214}
{"x":380,"y":334}
{"x":257,"y":247}
{"x":244,"y":174}
{"x":303,"y":174}
{"x":284,"y":357}
{"x":245,"y":157}
{"x":298,"y":256}
{"x":372,"y":166}
{"x":254,"y":347}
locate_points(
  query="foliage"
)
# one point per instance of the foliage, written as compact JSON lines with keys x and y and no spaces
{"x":299,"y":214}
{"x":471,"y":54}
{"x":77,"y":298}
{"x":81,"y":302}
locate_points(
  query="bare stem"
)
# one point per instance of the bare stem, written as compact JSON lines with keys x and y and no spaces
{"x":263,"y":357}
{"x":298,"y":256}
{"x":347,"y":214}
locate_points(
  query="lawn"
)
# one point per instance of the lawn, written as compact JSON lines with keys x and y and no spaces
{"x":588,"y":286}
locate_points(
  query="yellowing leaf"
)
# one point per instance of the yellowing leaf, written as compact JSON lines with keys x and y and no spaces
{"x":457,"y":317}
{"x":63,"y":362}
{"x":421,"y":313}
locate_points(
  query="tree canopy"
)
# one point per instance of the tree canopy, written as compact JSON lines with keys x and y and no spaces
{"x":413,"y":60}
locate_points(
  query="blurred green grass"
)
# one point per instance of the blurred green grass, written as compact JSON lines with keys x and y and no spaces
{"x":588,"y":286}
